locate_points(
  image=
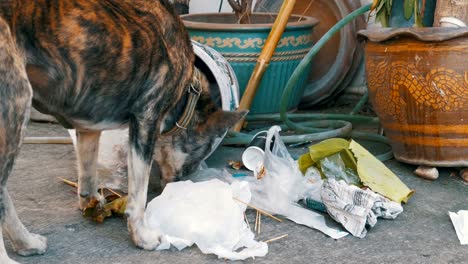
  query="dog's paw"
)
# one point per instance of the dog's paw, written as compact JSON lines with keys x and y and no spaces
{"x":34,"y":245}
{"x":91,"y":201}
{"x":143,"y":236}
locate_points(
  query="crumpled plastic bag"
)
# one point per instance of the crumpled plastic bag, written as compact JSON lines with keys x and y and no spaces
{"x":206,"y":214}
{"x":355,"y":208}
{"x":284,"y":185}
{"x":460,"y":223}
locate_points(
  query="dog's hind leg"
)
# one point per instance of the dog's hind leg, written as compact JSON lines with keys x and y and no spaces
{"x":88,"y":148}
{"x":15,"y":104}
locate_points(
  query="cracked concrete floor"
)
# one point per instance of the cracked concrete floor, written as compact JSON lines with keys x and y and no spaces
{"x":423,"y":233}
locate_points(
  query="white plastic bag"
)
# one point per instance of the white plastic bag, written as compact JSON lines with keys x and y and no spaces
{"x":206,"y":214}
{"x":283,"y":185}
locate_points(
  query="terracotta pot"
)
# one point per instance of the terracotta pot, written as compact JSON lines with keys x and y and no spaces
{"x":418,"y":84}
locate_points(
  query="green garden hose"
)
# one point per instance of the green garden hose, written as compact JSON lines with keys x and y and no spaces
{"x":318,"y":126}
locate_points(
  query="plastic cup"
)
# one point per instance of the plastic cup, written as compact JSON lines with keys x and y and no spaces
{"x":253,"y":154}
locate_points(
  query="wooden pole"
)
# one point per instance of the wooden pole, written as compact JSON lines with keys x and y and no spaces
{"x":47,"y":140}
{"x":265,"y":57}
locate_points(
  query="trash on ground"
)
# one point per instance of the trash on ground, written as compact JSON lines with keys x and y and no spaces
{"x":374,"y":174}
{"x":333,"y":167}
{"x":313,"y":200}
{"x":341,"y":160}
{"x":205,"y":214}
{"x":355,"y":208}
{"x":460,"y":223}
{"x":252,"y":157}
{"x":115,"y":205}
{"x":237,"y":165}
{"x":283,"y":185}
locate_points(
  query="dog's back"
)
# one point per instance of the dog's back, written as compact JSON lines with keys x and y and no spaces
{"x":79,"y":51}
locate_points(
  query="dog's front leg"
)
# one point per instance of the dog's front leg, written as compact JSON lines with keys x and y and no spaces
{"x":142,"y":140}
{"x":88,"y":147}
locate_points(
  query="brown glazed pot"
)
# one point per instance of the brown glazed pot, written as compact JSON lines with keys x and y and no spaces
{"x":418,"y":85}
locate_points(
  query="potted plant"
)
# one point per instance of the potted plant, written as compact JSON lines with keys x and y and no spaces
{"x":240,"y":37}
{"x":418,"y":85}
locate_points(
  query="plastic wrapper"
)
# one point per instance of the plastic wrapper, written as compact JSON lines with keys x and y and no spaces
{"x":205,"y":214}
{"x":283,"y":185}
{"x":333,"y":167}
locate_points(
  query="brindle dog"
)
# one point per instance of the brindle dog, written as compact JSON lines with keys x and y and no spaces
{"x":98,"y":65}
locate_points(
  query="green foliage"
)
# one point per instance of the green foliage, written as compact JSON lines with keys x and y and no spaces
{"x":383,"y":8}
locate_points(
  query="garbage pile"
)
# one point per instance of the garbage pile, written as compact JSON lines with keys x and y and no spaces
{"x":335,"y":177}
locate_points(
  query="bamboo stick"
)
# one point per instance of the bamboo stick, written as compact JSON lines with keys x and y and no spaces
{"x":256,"y":221}
{"x":276,"y":238}
{"x":247,"y":221}
{"x":259,"y":210}
{"x":47,"y":140}
{"x":71,"y":183}
{"x":265,"y":57}
{"x":259,"y":224}
{"x":114,"y":192}
{"x":74,"y":184}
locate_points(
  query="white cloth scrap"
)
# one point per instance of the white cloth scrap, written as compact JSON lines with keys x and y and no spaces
{"x":460,"y":223}
{"x":355,"y":208}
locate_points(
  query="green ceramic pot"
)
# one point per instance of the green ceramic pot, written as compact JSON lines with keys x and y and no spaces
{"x":241,"y":45}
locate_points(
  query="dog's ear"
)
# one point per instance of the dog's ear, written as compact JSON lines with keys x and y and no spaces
{"x":220,"y":121}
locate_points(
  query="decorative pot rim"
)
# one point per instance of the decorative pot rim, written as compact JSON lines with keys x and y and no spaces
{"x":427,"y":34}
{"x":305,"y":22}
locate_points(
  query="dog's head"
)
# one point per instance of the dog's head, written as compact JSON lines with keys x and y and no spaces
{"x":181,"y":154}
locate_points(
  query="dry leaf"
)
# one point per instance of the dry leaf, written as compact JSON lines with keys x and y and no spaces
{"x":100,"y":213}
{"x":115,"y":204}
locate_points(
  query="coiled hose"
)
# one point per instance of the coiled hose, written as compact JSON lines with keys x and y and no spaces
{"x":317,"y":126}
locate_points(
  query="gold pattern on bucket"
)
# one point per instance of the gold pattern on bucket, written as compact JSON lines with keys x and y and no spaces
{"x":217,"y":42}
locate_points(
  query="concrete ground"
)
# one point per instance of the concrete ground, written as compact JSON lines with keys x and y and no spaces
{"x":423,"y":233}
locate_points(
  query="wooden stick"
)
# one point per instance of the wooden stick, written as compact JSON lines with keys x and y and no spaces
{"x":114,"y":192}
{"x":259,"y":210}
{"x":259,"y":223}
{"x":71,"y":183}
{"x":247,"y":221}
{"x":305,"y":10}
{"x":265,"y":56}
{"x":276,"y":238}
{"x":74,"y":184}
{"x":256,"y":221}
{"x":47,"y":140}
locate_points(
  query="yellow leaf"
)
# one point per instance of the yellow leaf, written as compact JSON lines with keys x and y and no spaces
{"x":374,"y":174}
